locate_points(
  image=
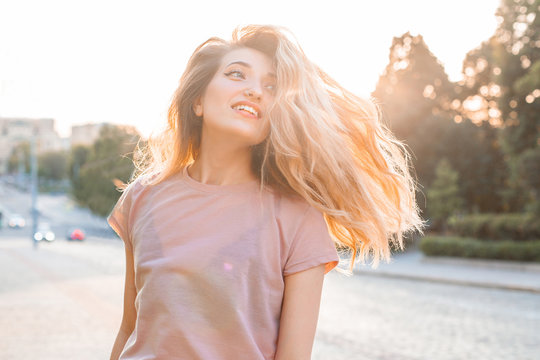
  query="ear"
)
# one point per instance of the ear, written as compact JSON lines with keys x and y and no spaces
{"x":197,"y":107}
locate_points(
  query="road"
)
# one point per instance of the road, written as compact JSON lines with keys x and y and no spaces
{"x":63,"y":301}
{"x":60,"y":301}
{"x":385,"y":319}
{"x":59,"y":211}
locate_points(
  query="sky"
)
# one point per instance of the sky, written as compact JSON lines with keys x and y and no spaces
{"x":119,"y":61}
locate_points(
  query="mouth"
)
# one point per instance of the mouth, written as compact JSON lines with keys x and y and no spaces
{"x":248,"y":110}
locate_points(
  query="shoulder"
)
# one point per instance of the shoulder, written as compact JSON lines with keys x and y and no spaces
{"x":292,"y":206}
{"x":293,"y":213}
{"x":137,"y":190}
{"x":146,"y":182}
{"x":306,"y":236}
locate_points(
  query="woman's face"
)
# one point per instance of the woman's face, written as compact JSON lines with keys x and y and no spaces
{"x":237,"y":98}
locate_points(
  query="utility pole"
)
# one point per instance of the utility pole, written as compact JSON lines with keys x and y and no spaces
{"x":21,"y":167}
{"x":34,"y":182}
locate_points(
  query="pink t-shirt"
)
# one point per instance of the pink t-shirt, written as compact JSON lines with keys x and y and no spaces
{"x":210,"y":263}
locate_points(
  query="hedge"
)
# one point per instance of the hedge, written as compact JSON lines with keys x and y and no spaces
{"x":475,"y":248}
{"x":496,"y":226}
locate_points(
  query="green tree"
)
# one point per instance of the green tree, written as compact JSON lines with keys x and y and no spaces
{"x":529,"y":170}
{"x":417,"y":101}
{"x":53,"y":165}
{"x":471,"y":150}
{"x":444,"y":197}
{"x":413,"y":85}
{"x":502,"y":81}
{"x":20,"y":158}
{"x":109,"y":159}
{"x":78,"y":157}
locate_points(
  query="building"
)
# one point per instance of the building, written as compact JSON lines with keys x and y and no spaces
{"x":85,"y":134}
{"x":16,"y":130}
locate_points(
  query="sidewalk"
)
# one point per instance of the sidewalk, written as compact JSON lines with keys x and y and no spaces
{"x":62,"y":300}
{"x":414,"y":265}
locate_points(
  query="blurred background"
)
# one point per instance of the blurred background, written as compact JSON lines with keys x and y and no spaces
{"x":81,"y":83}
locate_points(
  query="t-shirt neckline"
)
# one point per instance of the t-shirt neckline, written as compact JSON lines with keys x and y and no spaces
{"x":249,"y":186}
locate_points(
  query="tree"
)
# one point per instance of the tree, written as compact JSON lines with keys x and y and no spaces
{"x":529,"y":170}
{"x":471,"y":151}
{"x":19,"y":158}
{"x":444,"y":197}
{"x":418,"y":103}
{"x":502,"y":86}
{"x":53,"y":165}
{"x":413,"y":86}
{"x":78,"y":157}
{"x":108,"y":160}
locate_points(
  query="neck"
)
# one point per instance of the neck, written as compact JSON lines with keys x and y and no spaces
{"x":219,"y":163}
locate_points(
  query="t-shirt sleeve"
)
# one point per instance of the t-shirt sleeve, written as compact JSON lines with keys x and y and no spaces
{"x":311,"y":245}
{"x":119,"y":218}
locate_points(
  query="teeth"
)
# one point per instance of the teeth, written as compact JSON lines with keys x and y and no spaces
{"x":247,"y":108}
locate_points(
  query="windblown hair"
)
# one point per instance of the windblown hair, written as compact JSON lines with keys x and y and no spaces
{"x":325,"y":144}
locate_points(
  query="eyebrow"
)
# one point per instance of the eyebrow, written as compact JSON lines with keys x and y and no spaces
{"x":245,"y":64}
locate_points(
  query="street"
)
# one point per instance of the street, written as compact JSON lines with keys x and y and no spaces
{"x":63,"y":300}
{"x":59,"y":211}
{"x":380,"y":318}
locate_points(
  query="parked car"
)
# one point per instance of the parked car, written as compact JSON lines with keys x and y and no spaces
{"x":76,"y":234}
{"x":16,"y":221}
{"x":44,"y":232}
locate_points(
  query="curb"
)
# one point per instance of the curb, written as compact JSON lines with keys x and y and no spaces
{"x":494,"y":274}
{"x":434,"y":279}
{"x":483,"y":263}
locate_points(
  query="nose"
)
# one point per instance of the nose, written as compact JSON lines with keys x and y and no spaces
{"x":253,"y":92}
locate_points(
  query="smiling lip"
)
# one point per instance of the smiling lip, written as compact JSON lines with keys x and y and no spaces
{"x":246,"y":113}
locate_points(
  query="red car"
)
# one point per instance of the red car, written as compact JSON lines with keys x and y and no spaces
{"x":76,"y":234}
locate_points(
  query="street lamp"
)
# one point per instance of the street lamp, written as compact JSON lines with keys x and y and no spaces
{"x":33,"y":183}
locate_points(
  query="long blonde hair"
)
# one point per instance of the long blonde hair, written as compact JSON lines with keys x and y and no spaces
{"x":325,"y":144}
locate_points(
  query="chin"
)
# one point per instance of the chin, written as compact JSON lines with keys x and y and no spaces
{"x":252,"y":141}
{"x":248,"y":137}
{"x":239,"y":132}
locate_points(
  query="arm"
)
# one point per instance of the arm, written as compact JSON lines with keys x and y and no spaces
{"x":299,"y":314}
{"x":130,"y":314}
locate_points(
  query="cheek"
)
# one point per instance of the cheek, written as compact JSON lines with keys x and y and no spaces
{"x":265,"y":131}
{"x":211,"y":98}
{"x":217,"y":97}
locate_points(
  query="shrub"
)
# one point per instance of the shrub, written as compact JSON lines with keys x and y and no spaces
{"x":474,"y":248}
{"x":496,"y":226}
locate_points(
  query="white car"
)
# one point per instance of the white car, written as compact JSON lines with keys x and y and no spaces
{"x":16,"y":221}
{"x":44,"y":232}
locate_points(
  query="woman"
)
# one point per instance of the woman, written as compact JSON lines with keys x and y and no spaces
{"x":233,"y":219}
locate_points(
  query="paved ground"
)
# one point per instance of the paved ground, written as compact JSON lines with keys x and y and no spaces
{"x":381,"y":318}
{"x":64,"y":301}
{"x":510,"y":275}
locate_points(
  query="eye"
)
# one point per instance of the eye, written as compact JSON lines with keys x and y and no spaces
{"x":271,"y":88}
{"x":237,"y":74}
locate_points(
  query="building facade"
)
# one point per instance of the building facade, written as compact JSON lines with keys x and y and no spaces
{"x":85,"y":134}
{"x":14,"y":131}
